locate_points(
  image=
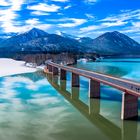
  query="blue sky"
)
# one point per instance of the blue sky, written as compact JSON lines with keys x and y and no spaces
{"x":78,"y":17}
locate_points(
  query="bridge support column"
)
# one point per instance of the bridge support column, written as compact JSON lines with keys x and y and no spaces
{"x":49,"y":68}
{"x":75,"y":80}
{"x":55,"y":70}
{"x":129,"y":106}
{"x":94,"y":89}
{"x":62,"y":74}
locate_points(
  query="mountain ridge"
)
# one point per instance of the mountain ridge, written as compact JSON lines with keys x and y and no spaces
{"x":109,"y":43}
{"x":116,"y":43}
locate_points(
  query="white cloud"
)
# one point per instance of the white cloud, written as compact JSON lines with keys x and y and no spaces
{"x":32,"y":21}
{"x":39,"y":13}
{"x":110,"y":24}
{"x":67,"y":7}
{"x":16,"y":4}
{"x":133,"y":28}
{"x":59,"y":20}
{"x":101,"y":26}
{"x":60,"y":14}
{"x":89,"y":28}
{"x":73,"y":22}
{"x":9,"y":18}
{"x":44,"y":7}
{"x":126,"y":16}
{"x":119,"y":20}
{"x":123,"y":16}
{"x":68,"y":22}
{"x":136,"y":24}
{"x":8,"y":15}
{"x":43,"y":26}
{"x":90,"y":16}
{"x":4,"y":3}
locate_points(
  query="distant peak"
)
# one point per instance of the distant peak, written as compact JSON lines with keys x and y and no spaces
{"x":116,"y":32}
{"x":35,"y":29}
{"x":36,"y":32}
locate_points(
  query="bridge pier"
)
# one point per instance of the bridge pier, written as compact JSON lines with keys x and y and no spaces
{"x":62,"y":74}
{"x":55,"y":71}
{"x":94,"y":89}
{"x":50,"y":68}
{"x":129,"y":106}
{"x":75,"y":82}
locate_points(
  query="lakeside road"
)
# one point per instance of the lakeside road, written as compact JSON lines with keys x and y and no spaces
{"x":11,"y":67}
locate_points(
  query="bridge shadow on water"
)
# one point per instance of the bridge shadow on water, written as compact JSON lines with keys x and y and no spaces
{"x":126,"y":131}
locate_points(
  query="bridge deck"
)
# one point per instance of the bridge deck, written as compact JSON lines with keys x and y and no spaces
{"x":124,"y":85}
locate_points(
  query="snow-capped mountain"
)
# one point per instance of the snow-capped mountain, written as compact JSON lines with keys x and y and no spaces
{"x":38,"y":40}
{"x":110,"y":43}
{"x":115,"y":43}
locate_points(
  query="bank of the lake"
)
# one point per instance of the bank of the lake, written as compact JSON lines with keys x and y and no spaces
{"x":10,"y":67}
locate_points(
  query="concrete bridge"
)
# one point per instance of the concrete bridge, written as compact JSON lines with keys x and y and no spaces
{"x":92,"y":112}
{"x":130,"y":89}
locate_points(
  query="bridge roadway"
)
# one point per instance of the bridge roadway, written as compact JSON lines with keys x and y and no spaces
{"x":130,"y":89}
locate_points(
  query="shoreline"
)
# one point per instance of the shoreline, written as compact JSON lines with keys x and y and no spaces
{"x":11,"y":67}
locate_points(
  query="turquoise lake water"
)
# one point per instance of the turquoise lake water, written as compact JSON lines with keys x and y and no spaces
{"x":35,"y":106}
